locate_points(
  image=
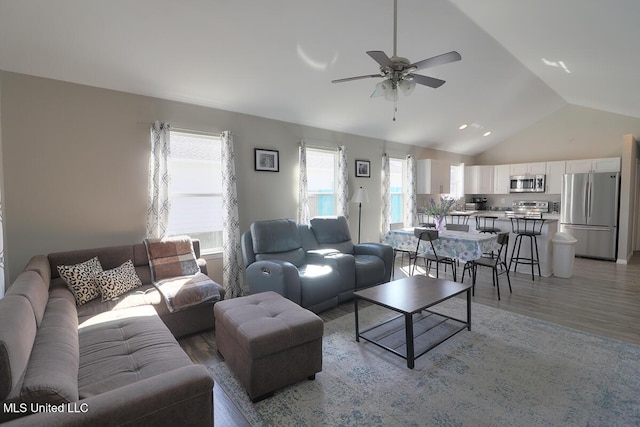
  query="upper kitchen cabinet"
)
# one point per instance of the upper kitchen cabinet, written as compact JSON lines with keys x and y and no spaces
{"x":529,"y":168}
{"x":501,"y":174}
{"x":554,"y":172}
{"x":610,"y":164}
{"x":434,"y":176}
{"x":478,"y":179}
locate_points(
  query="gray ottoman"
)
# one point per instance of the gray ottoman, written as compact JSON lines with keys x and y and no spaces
{"x":268,"y":341}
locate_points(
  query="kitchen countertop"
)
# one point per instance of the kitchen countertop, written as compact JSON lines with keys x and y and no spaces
{"x":502,"y":216}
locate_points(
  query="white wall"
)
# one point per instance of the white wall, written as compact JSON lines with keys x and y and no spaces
{"x":76,"y":160}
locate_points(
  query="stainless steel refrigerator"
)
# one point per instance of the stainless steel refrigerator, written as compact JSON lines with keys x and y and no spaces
{"x":589,"y":212}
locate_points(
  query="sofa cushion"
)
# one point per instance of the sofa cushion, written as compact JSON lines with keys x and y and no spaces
{"x":17,"y":334}
{"x":31,"y":286}
{"x":79,"y":279}
{"x":144,"y":295}
{"x":40,"y":264}
{"x":274,"y":236}
{"x":125,"y":346}
{"x":171,"y":257}
{"x":332,"y":232}
{"x":117,"y":281}
{"x":330,"y":229}
{"x":277,"y":239}
{"x":52,"y":373}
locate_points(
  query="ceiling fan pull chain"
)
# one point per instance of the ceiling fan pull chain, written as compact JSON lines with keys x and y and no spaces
{"x":395,"y":109}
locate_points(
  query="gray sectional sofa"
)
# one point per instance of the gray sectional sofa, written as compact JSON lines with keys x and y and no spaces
{"x":100,"y":363}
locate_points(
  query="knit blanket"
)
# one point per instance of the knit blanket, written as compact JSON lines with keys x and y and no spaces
{"x":185,"y":291}
{"x":176,"y":274}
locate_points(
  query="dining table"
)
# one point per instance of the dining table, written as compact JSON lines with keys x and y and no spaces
{"x":462,"y":245}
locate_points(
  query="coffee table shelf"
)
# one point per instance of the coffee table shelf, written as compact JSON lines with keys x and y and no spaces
{"x":416,"y":330}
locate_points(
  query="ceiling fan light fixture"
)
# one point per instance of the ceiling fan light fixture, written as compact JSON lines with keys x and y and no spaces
{"x":391,"y":94}
{"x":407,"y":87}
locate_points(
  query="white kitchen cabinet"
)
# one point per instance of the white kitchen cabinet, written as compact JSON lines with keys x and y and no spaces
{"x":478,"y":179}
{"x":609,"y":164}
{"x":433,"y":176}
{"x":555,"y":171}
{"x":538,"y":168}
{"x":501,"y":174}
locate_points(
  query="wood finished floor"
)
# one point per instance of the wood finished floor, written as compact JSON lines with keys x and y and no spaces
{"x":601,"y":297}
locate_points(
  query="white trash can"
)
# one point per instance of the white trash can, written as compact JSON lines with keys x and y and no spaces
{"x":564,"y":252}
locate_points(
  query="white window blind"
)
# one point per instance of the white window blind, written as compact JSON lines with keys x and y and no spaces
{"x":195,"y":189}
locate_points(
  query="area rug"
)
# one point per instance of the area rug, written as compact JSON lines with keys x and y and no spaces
{"x":508,"y":370}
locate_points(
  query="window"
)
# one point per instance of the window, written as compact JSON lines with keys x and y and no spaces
{"x":321,"y":182}
{"x":397,"y":185}
{"x":195,"y":189}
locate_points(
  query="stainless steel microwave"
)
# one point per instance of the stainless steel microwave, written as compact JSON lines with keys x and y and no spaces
{"x":527,"y":184}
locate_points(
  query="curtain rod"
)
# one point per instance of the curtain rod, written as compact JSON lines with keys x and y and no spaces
{"x":322,"y":147}
{"x":183,"y":129}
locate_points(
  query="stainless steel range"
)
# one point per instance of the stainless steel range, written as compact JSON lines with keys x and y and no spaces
{"x":528,"y":209}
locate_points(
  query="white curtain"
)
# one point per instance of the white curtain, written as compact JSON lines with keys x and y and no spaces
{"x":343,"y":183}
{"x":232,"y":279}
{"x":158,"y":204}
{"x":303,"y":194}
{"x":411,"y":209}
{"x":385,"y":218}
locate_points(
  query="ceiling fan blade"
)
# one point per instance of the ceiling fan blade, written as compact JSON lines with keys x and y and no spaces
{"x":426,"y":80}
{"x":380,"y":57}
{"x":445,"y":58}
{"x":348,"y":79}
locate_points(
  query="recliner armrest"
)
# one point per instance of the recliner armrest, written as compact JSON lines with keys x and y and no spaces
{"x":381,"y":250}
{"x":275,"y":275}
{"x":316,"y":256}
{"x":377,"y":249}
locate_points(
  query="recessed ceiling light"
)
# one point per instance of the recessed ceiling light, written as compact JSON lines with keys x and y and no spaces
{"x":463,"y":126}
{"x":487,"y":133}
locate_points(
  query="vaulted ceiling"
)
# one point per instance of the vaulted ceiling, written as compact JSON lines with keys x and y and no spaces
{"x":521,"y":60}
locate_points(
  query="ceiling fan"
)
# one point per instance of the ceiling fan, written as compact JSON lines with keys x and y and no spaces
{"x":398,"y":72}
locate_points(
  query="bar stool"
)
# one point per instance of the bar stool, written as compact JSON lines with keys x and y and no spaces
{"x":530,"y":228}
{"x":458,"y":219}
{"x":487,"y":224}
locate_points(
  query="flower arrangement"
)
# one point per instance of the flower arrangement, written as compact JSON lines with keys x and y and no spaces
{"x":442,"y":209}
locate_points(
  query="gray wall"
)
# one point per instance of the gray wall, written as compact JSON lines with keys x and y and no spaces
{"x":76,"y":161}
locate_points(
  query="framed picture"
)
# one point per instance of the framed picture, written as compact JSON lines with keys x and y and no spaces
{"x":363,"y":169}
{"x":267,"y":160}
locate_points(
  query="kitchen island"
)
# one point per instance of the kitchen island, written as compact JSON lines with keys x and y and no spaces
{"x":545,"y":246}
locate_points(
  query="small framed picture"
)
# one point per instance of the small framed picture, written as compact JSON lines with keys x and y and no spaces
{"x":363,"y":169}
{"x":267,"y":160}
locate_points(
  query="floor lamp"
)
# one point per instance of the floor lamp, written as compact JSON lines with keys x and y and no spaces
{"x":360,"y":197}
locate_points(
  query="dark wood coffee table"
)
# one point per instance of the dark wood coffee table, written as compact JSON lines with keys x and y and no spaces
{"x":422,"y":329}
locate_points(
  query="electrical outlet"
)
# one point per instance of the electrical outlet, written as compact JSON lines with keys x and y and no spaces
{"x":503,"y":201}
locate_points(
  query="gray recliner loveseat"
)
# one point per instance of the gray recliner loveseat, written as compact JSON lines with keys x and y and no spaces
{"x":315,"y":266}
